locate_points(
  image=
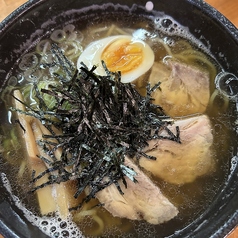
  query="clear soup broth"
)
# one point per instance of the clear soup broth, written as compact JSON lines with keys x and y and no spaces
{"x":174,"y":51}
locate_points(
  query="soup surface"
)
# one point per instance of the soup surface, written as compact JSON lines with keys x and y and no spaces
{"x":182,"y":73}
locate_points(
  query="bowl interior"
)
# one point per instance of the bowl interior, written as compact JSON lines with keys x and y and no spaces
{"x":23,"y":28}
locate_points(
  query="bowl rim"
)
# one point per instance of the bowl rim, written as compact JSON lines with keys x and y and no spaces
{"x":210,"y":10}
{"x":200,"y":4}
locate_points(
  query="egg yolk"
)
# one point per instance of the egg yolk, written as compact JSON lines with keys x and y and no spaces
{"x":122,"y":55}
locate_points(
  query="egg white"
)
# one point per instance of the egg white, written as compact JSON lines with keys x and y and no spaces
{"x":92,"y":56}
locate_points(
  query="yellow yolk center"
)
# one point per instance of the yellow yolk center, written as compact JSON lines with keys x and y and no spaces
{"x":122,"y":55}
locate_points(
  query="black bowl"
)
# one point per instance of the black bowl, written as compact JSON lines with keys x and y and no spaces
{"x":20,"y":30}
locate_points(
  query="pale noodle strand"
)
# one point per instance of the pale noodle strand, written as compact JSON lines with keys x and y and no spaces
{"x":22,"y":168}
{"x":166,"y":47}
{"x":93,"y":214}
{"x":98,"y":30}
{"x":80,"y":215}
{"x":183,"y":45}
{"x":123,"y":32}
{"x":215,"y":94}
{"x":189,"y":55}
{"x":192,"y":52}
{"x":100,"y":223}
{"x":206,"y":62}
{"x":110,"y":30}
{"x":117,"y":30}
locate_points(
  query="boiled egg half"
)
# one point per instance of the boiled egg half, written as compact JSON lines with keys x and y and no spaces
{"x":131,"y":56}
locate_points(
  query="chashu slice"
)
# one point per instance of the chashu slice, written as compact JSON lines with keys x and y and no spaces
{"x":141,"y":200}
{"x":180,"y":163}
{"x":184,"y":89}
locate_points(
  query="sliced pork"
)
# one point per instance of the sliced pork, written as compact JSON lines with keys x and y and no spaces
{"x":184,"y":89}
{"x":141,"y":200}
{"x":182,"y":163}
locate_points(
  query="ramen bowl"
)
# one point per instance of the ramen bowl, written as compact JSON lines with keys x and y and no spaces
{"x":193,"y":20}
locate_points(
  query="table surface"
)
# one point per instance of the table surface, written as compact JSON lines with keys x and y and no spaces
{"x":228,"y":8}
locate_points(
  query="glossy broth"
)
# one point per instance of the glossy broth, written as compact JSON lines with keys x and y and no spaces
{"x":191,"y":199}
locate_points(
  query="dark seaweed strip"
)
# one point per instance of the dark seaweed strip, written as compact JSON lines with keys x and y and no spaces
{"x":45,"y":160}
{"x":17,"y":99}
{"x":66,"y":65}
{"x":101,"y":121}
{"x":28,"y":113}
{"x":49,"y":182}
{"x":47,"y":171}
{"x":178,"y":134}
{"x":42,"y":103}
{"x":22,"y":127}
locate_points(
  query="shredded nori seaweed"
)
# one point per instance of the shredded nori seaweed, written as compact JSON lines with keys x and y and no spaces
{"x":100,"y":120}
